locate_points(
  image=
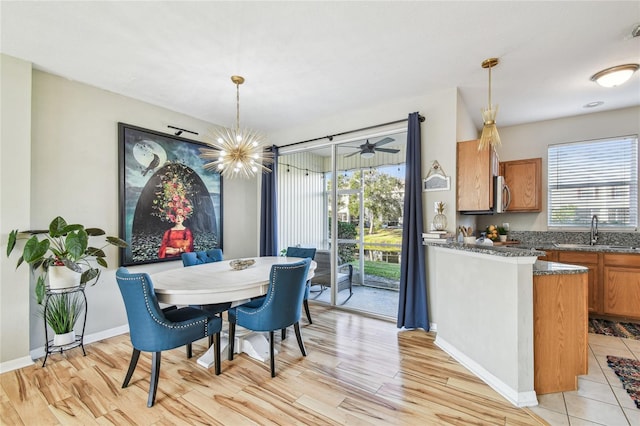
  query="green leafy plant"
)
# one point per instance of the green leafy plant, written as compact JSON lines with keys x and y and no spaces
{"x":62,"y":311}
{"x":63,"y":244}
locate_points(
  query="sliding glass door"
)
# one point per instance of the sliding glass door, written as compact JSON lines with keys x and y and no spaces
{"x":366,"y":177}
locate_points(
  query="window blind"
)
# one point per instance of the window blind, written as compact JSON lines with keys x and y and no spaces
{"x":598,"y":177}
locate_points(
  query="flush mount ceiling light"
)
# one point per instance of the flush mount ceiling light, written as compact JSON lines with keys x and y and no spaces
{"x":489,"y":135}
{"x":615,"y":76}
{"x":238,"y":152}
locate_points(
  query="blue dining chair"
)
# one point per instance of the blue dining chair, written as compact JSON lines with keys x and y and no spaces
{"x":281,"y":307}
{"x":303,"y":252}
{"x":198,"y":258}
{"x":153,"y":330}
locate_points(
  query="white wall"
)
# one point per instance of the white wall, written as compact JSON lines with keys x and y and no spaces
{"x":531,"y":141}
{"x":486,"y":318}
{"x":15,"y":181}
{"x":74,"y":174}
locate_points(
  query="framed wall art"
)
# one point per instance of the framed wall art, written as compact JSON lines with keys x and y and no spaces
{"x":436,"y":179}
{"x":169,"y":204}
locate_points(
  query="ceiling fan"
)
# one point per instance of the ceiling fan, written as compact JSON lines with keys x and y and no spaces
{"x":368,"y":150}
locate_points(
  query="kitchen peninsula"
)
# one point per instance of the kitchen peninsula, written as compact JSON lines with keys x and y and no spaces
{"x":492,"y":318}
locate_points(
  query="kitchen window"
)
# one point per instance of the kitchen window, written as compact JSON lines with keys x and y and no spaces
{"x":595,"y":177}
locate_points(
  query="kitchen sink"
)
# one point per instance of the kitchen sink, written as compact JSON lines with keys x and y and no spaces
{"x":573,"y":245}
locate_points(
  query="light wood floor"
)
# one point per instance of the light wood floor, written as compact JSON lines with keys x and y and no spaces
{"x":359,"y":371}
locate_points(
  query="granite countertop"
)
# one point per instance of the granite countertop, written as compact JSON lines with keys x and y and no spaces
{"x":504,"y":251}
{"x":542,"y":267}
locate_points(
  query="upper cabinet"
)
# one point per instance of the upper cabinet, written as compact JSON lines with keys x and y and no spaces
{"x":524,"y":179}
{"x":475,"y":172}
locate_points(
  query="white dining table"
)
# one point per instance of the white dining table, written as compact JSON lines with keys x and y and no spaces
{"x":218,"y":282}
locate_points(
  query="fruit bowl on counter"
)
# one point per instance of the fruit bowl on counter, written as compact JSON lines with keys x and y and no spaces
{"x":496,"y":233}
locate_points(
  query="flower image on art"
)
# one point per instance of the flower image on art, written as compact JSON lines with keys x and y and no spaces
{"x":169,"y":203}
{"x":172,"y":196}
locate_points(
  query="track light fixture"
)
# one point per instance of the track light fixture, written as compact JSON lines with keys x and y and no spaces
{"x":179,"y":131}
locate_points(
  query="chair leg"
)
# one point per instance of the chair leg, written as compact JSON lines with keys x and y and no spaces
{"x":132,"y":366}
{"x":296,"y":327}
{"x":210,"y":340}
{"x":155,"y":376}
{"x":216,"y":349}
{"x":189,"y":350}
{"x":232,"y":339}
{"x":284,"y":333}
{"x":306,"y":309}
{"x":272,"y":359}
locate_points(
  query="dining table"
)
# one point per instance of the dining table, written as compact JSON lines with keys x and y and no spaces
{"x":219,"y":282}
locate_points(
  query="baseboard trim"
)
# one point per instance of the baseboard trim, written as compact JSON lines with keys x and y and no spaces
{"x":37,"y":353}
{"x":519,"y":399}
{"x":16,"y":364}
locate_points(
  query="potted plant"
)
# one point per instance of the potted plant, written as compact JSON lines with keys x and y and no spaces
{"x":64,"y":245}
{"x":502,"y":233}
{"x":61,"y":314}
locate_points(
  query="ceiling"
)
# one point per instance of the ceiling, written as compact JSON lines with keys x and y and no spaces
{"x":304,"y":61}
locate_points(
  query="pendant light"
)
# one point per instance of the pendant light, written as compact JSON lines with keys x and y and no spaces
{"x":238,"y":152}
{"x":489,"y":135}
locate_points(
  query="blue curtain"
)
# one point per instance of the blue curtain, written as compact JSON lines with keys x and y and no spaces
{"x":412,"y":305}
{"x":269,"y":209}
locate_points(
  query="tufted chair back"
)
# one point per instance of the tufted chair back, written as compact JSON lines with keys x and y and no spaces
{"x":198,"y":257}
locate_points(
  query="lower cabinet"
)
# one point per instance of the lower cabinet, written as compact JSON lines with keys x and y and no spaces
{"x":590,"y":260}
{"x":621,"y":285}
{"x":613,"y":280}
{"x":560,"y":328}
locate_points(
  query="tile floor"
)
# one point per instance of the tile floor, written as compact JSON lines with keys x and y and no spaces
{"x":600,"y":399}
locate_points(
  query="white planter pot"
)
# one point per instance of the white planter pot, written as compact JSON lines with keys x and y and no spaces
{"x":64,"y":339}
{"x":63,"y":277}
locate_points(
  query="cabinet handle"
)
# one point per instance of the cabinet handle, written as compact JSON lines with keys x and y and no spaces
{"x":507,"y":198}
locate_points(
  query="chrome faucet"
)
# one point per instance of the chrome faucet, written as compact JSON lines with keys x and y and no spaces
{"x":594,"y":230}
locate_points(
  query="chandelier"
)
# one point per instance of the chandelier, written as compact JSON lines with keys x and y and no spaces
{"x":236,"y":152}
{"x":489,"y":135}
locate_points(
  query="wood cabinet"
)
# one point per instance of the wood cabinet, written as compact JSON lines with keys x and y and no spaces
{"x":475,"y":173}
{"x":551,"y":256}
{"x":524,"y":179}
{"x":592,"y":261}
{"x":621,"y":285}
{"x":613,"y":280}
{"x":560,"y":327}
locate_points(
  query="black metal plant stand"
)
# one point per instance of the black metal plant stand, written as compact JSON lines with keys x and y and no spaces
{"x":79,"y":338}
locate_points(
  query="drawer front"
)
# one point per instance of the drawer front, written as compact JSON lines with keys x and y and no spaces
{"x":577,"y":256}
{"x":630,"y":260}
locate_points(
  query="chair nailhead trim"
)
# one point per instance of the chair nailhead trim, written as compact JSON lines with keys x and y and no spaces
{"x":273,"y":290}
{"x":160,"y":321}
